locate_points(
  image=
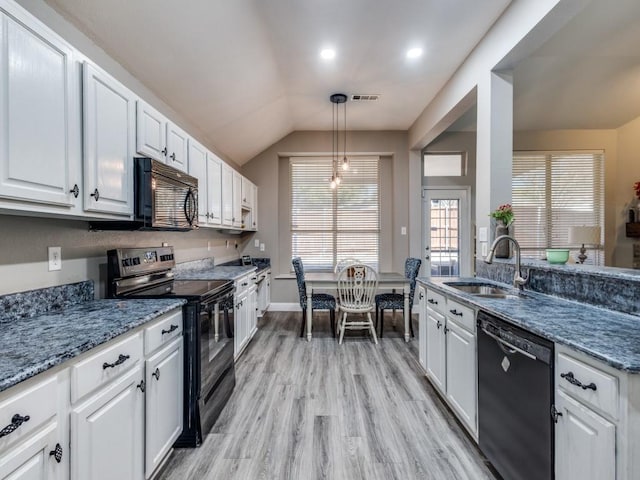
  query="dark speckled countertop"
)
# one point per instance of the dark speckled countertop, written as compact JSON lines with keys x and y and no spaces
{"x":31,"y":345}
{"x":607,"y":335}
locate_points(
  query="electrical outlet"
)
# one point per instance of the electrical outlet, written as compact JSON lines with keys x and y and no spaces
{"x":484,"y":249}
{"x":208,"y":246}
{"x":55,"y":258}
{"x":256,"y":243}
{"x":262,"y":247}
{"x":403,"y":230}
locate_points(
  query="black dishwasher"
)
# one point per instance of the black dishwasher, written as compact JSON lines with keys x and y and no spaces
{"x":515,"y":395}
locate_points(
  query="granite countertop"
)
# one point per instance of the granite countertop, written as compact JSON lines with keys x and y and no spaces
{"x":207,"y":271}
{"x":31,"y":345}
{"x":607,"y":335}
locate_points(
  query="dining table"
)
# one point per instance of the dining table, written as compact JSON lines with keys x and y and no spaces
{"x":386,"y":281}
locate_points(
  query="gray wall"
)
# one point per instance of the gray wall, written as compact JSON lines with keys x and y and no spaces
{"x":24,"y":242}
{"x":269,"y":171}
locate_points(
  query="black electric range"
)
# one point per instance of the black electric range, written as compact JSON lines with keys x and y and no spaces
{"x":208,"y":329}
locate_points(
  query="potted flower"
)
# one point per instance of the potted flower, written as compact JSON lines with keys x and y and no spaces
{"x":504,"y":217}
{"x":504,"y":213}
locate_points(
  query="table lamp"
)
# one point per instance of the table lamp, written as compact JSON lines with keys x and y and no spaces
{"x":584,"y":236}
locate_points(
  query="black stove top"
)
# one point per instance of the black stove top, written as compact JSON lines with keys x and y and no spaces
{"x":189,"y":289}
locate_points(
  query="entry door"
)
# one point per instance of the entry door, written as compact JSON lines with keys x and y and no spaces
{"x":446,"y":235}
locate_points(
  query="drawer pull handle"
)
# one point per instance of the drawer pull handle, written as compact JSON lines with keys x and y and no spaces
{"x":56,"y":453}
{"x":16,"y":421}
{"x":156,"y":373}
{"x":421,"y":295}
{"x":569,"y":377}
{"x":170,"y":329}
{"x":455,"y":312}
{"x":141,"y":386}
{"x":121,"y":359}
{"x":432,"y":301}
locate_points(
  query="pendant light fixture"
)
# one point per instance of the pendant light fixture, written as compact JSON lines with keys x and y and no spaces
{"x":338,"y":99}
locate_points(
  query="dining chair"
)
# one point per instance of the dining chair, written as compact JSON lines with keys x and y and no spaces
{"x":395,"y":301}
{"x":357,"y":286}
{"x":319,"y":301}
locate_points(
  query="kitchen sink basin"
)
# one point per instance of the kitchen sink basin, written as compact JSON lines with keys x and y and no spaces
{"x":484,"y":290}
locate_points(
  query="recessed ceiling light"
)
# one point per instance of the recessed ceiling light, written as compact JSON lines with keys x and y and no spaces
{"x":414,"y":52}
{"x":328,"y":53}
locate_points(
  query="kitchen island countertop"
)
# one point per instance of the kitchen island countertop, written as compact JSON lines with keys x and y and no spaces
{"x":607,"y":335}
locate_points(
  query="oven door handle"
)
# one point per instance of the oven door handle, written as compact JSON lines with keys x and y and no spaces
{"x":509,"y":348}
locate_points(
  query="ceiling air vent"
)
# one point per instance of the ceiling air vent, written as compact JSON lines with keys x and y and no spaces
{"x":365,"y":97}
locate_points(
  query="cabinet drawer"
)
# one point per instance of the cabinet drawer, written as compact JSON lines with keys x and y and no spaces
{"x":242,"y":284}
{"x":462,"y":315}
{"x":579,"y":380}
{"x":436,"y":301}
{"x":105,"y":365}
{"x":38,"y":402}
{"x":162,"y":331}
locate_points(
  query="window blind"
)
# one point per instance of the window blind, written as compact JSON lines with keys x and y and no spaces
{"x":330,"y":225}
{"x":552,"y":191}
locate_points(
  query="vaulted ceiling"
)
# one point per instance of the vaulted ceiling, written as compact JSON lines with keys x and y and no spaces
{"x":248,"y":72}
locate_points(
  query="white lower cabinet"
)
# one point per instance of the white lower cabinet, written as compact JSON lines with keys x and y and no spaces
{"x":585,"y":442}
{"x":245,"y":313}
{"x":107,"y":431}
{"x":32,"y":459}
{"x":448,"y":353}
{"x":164,"y":400}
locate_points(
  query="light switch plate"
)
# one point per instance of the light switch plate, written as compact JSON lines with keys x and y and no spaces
{"x":403,"y":230}
{"x":262,"y":247}
{"x":483,"y":234}
{"x":55,"y":258}
{"x":256,"y":243}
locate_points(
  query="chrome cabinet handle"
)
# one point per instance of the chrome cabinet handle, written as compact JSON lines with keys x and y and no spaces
{"x":16,"y":421}
{"x":569,"y":377}
{"x":121,"y":359}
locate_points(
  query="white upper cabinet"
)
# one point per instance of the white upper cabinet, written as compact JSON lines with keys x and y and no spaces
{"x":237,"y":200}
{"x":151,"y":132}
{"x":158,"y":138}
{"x":254,"y":209}
{"x":37,"y":118}
{"x":198,"y":168}
{"x":227,"y":195}
{"x":214,"y":189}
{"x":247,"y":193}
{"x":108,"y":121}
{"x":177,"y":145}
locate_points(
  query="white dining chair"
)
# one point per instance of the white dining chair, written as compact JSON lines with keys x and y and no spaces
{"x":345,"y":262}
{"x":357,"y":286}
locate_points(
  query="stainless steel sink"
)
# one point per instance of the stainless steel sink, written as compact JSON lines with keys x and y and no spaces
{"x":484,"y":290}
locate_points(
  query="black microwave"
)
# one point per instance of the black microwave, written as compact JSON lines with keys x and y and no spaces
{"x":164,"y":197}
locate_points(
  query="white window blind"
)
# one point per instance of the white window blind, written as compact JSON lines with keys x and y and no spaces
{"x":330,"y":225}
{"x":553,"y":191}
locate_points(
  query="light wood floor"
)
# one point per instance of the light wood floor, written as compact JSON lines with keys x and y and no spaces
{"x":321,"y":410}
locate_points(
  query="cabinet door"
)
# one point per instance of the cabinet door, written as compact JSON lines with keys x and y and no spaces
{"x":436,"y":349}
{"x":585,"y":442}
{"x":422,"y":327}
{"x":177,"y":146}
{"x":237,"y":200}
{"x":254,"y":209}
{"x":31,"y":459}
{"x":252,"y":312}
{"x":164,"y":398}
{"x":36,"y":113}
{"x":107,"y":432}
{"x":109,"y":127}
{"x":151,"y":132}
{"x":198,"y":169}
{"x":461,"y":372}
{"x":247,"y":192}
{"x":227,"y":195}
{"x":214,"y":189}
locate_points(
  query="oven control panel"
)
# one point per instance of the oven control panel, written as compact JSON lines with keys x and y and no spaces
{"x":127,"y":262}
